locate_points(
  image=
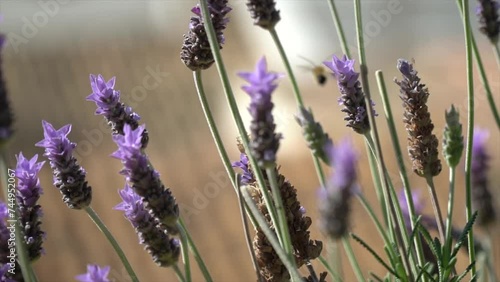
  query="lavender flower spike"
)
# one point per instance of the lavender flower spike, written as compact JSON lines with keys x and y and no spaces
{"x":145,"y":181}
{"x":28,"y":193}
{"x":107,"y":100}
{"x":165,"y":251}
{"x":69,"y":177}
{"x":482,"y":199}
{"x":6,"y":117}
{"x":95,"y":273}
{"x":334,"y":201}
{"x":352,"y":97}
{"x":489,"y":20}
{"x":264,"y":13}
{"x":196,"y":53}
{"x":264,"y":141}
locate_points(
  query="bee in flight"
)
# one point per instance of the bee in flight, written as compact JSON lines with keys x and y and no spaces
{"x":319,"y":71}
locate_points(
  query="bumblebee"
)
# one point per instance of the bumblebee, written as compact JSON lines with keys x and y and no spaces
{"x":319,"y":72}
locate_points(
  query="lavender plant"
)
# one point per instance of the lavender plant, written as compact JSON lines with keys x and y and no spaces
{"x":282,"y":242}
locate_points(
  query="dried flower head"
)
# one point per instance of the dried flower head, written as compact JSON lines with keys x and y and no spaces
{"x":264,"y":141}
{"x":145,"y":181}
{"x":482,"y":198}
{"x":196,"y":53}
{"x":489,"y":21}
{"x":334,"y":200}
{"x":107,"y":100}
{"x":422,"y":144}
{"x":352,"y":97}
{"x":164,"y":250}
{"x":317,"y":140}
{"x":453,"y":141}
{"x":264,"y":13}
{"x":69,"y":177}
{"x":95,"y":273}
{"x":28,"y":193}
{"x":6,"y":117}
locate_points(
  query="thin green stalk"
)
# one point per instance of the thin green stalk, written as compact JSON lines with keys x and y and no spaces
{"x":470,"y":130}
{"x":194,"y":251}
{"x":102,"y":227}
{"x":335,"y":257}
{"x":328,"y":267}
{"x":212,"y":126}
{"x":338,"y":27}
{"x":451,"y":200}
{"x":282,"y":221}
{"x":496,"y":50}
{"x":214,"y":47}
{"x":399,"y":157}
{"x":271,"y":236}
{"x":22,"y":253}
{"x":352,"y":259}
{"x":378,"y":186}
{"x":178,"y":273}
{"x":436,"y":207}
{"x":185,"y":253}
{"x":482,"y":72}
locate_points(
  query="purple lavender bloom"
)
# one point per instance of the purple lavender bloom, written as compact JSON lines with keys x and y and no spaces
{"x":94,"y":273}
{"x":4,"y":274}
{"x":489,"y":20}
{"x":28,"y":193}
{"x":264,"y":141}
{"x":334,"y":200}
{"x":165,"y":251}
{"x":69,"y":177}
{"x":247,"y":176}
{"x":195,"y":52}
{"x":6,"y":116}
{"x":482,"y":198}
{"x":107,"y":100}
{"x":145,"y":181}
{"x":352,"y":97}
{"x":4,"y":233}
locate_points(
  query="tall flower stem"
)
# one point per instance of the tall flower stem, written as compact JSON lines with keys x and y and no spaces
{"x":480,"y":67}
{"x":102,"y":227}
{"x":278,"y":201}
{"x":194,"y":251}
{"x":470,"y":130}
{"x":436,"y":207}
{"x":496,"y":50}
{"x":352,"y":259}
{"x":185,"y":253}
{"x":270,"y":236}
{"x":399,"y":156}
{"x":338,"y":27}
{"x":22,"y":253}
{"x":451,"y":200}
{"x":178,"y":273}
{"x":214,"y":47}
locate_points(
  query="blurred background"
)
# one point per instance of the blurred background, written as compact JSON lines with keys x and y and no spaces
{"x":54,"y":46}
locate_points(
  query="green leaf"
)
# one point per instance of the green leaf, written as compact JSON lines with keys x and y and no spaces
{"x":377,"y":257}
{"x":376,"y":277}
{"x":463,"y":237}
{"x":469,"y":267}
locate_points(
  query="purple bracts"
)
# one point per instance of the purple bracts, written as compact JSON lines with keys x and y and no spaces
{"x":145,"y":181}
{"x":264,"y":141}
{"x":28,"y":193}
{"x":165,"y":251}
{"x":94,"y":273}
{"x":69,"y":177}
{"x":107,"y":100}
{"x":247,"y":177}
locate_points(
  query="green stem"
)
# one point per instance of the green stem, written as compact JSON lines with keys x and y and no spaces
{"x":271,"y":236}
{"x":482,"y":73}
{"x":401,"y":165}
{"x":328,"y":267}
{"x":496,"y":50}
{"x":22,"y":252}
{"x":102,"y":227}
{"x":212,"y":126}
{"x":338,"y":27}
{"x":436,"y":207}
{"x":194,"y":251}
{"x":214,"y":47}
{"x":470,"y":130}
{"x":451,"y":200}
{"x":378,"y":185}
{"x":352,"y":259}
{"x":185,"y":252}
{"x":282,"y":220}
{"x":178,"y":273}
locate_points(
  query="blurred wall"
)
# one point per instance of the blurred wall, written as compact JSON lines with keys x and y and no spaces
{"x":54,"y":46}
